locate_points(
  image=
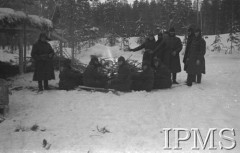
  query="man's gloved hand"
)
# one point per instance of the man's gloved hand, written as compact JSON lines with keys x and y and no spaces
{"x":44,"y":57}
{"x":198,"y":62}
{"x":174,"y":53}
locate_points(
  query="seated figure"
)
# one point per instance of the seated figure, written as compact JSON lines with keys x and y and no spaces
{"x":162,"y":75}
{"x":92,"y":77}
{"x":143,"y":80}
{"x":69,"y":78}
{"x":122,"y":82}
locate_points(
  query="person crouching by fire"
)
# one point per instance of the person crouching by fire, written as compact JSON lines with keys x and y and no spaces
{"x":92,"y":76}
{"x":69,"y":78}
{"x":143,"y":80}
{"x":122,"y":82}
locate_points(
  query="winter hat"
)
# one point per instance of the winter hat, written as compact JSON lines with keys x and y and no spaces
{"x":93,"y":61}
{"x":172,"y":29}
{"x":198,"y":30}
{"x":43,"y":34}
{"x":190,"y":29}
{"x":121,"y":58}
{"x":166,"y":32}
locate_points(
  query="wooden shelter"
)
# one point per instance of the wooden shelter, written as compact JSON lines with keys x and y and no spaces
{"x":21,"y":25}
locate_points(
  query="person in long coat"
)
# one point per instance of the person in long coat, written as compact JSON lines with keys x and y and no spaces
{"x":174,"y":48}
{"x":196,"y":62}
{"x":122,"y":82}
{"x":42,"y":54}
{"x":69,"y":78}
{"x":162,"y":75}
{"x":149,"y":45}
{"x":160,"y":51}
{"x":92,"y":77}
{"x":191,"y":35}
{"x":143,"y":80}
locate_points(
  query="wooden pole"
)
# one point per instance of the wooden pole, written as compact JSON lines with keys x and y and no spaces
{"x":72,"y":30}
{"x":61,"y":49}
{"x":24,"y":42}
{"x":197,"y":14}
{"x":231,"y":27}
{"x":20,"y":47}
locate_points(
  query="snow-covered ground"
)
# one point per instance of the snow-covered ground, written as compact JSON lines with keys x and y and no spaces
{"x":70,"y":120}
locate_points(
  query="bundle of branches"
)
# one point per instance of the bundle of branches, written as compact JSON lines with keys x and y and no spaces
{"x":110,"y":67}
{"x":78,"y":66}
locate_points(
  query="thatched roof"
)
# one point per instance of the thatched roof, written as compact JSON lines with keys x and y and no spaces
{"x":12,"y":18}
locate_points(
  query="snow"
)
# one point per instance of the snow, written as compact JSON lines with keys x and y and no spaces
{"x":135,"y":120}
{"x":40,"y":21}
{"x":13,"y":58}
{"x":12,"y":16}
{"x":6,"y":57}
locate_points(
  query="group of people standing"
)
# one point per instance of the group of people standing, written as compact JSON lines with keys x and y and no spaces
{"x":160,"y":65}
{"x":167,"y":48}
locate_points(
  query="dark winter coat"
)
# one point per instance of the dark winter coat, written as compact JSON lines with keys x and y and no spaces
{"x":173,"y":62}
{"x":122,"y":82}
{"x":42,"y":53}
{"x":149,"y":45}
{"x":196,"y":52}
{"x":187,"y":52}
{"x":160,"y":51}
{"x":143,"y":80}
{"x":162,"y":77}
{"x":93,"y":78}
{"x":69,"y":79}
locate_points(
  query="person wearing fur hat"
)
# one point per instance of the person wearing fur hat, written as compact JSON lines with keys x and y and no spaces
{"x":162,"y":75}
{"x":92,"y":77}
{"x":42,"y":54}
{"x":174,"y":48}
{"x":122,"y":82}
{"x":149,"y":45}
{"x":196,"y":62}
{"x":170,"y":53}
{"x":191,"y":35}
{"x":161,"y":49}
{"x":143,"y":80}
{"x":69,"y":78}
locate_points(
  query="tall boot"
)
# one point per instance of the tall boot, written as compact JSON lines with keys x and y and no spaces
{"x":190,"y":79}
{"x":199,"y":78}
{"x":174,"y":77}
{"x":46,"y":85}
{"x":194,"y":77}
{"x":40,"y":86}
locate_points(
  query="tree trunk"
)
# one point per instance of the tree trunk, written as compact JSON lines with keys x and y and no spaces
{"x":20,"y":47}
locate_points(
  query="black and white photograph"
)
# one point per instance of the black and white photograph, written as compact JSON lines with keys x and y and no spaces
{"x":119,"y":76}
